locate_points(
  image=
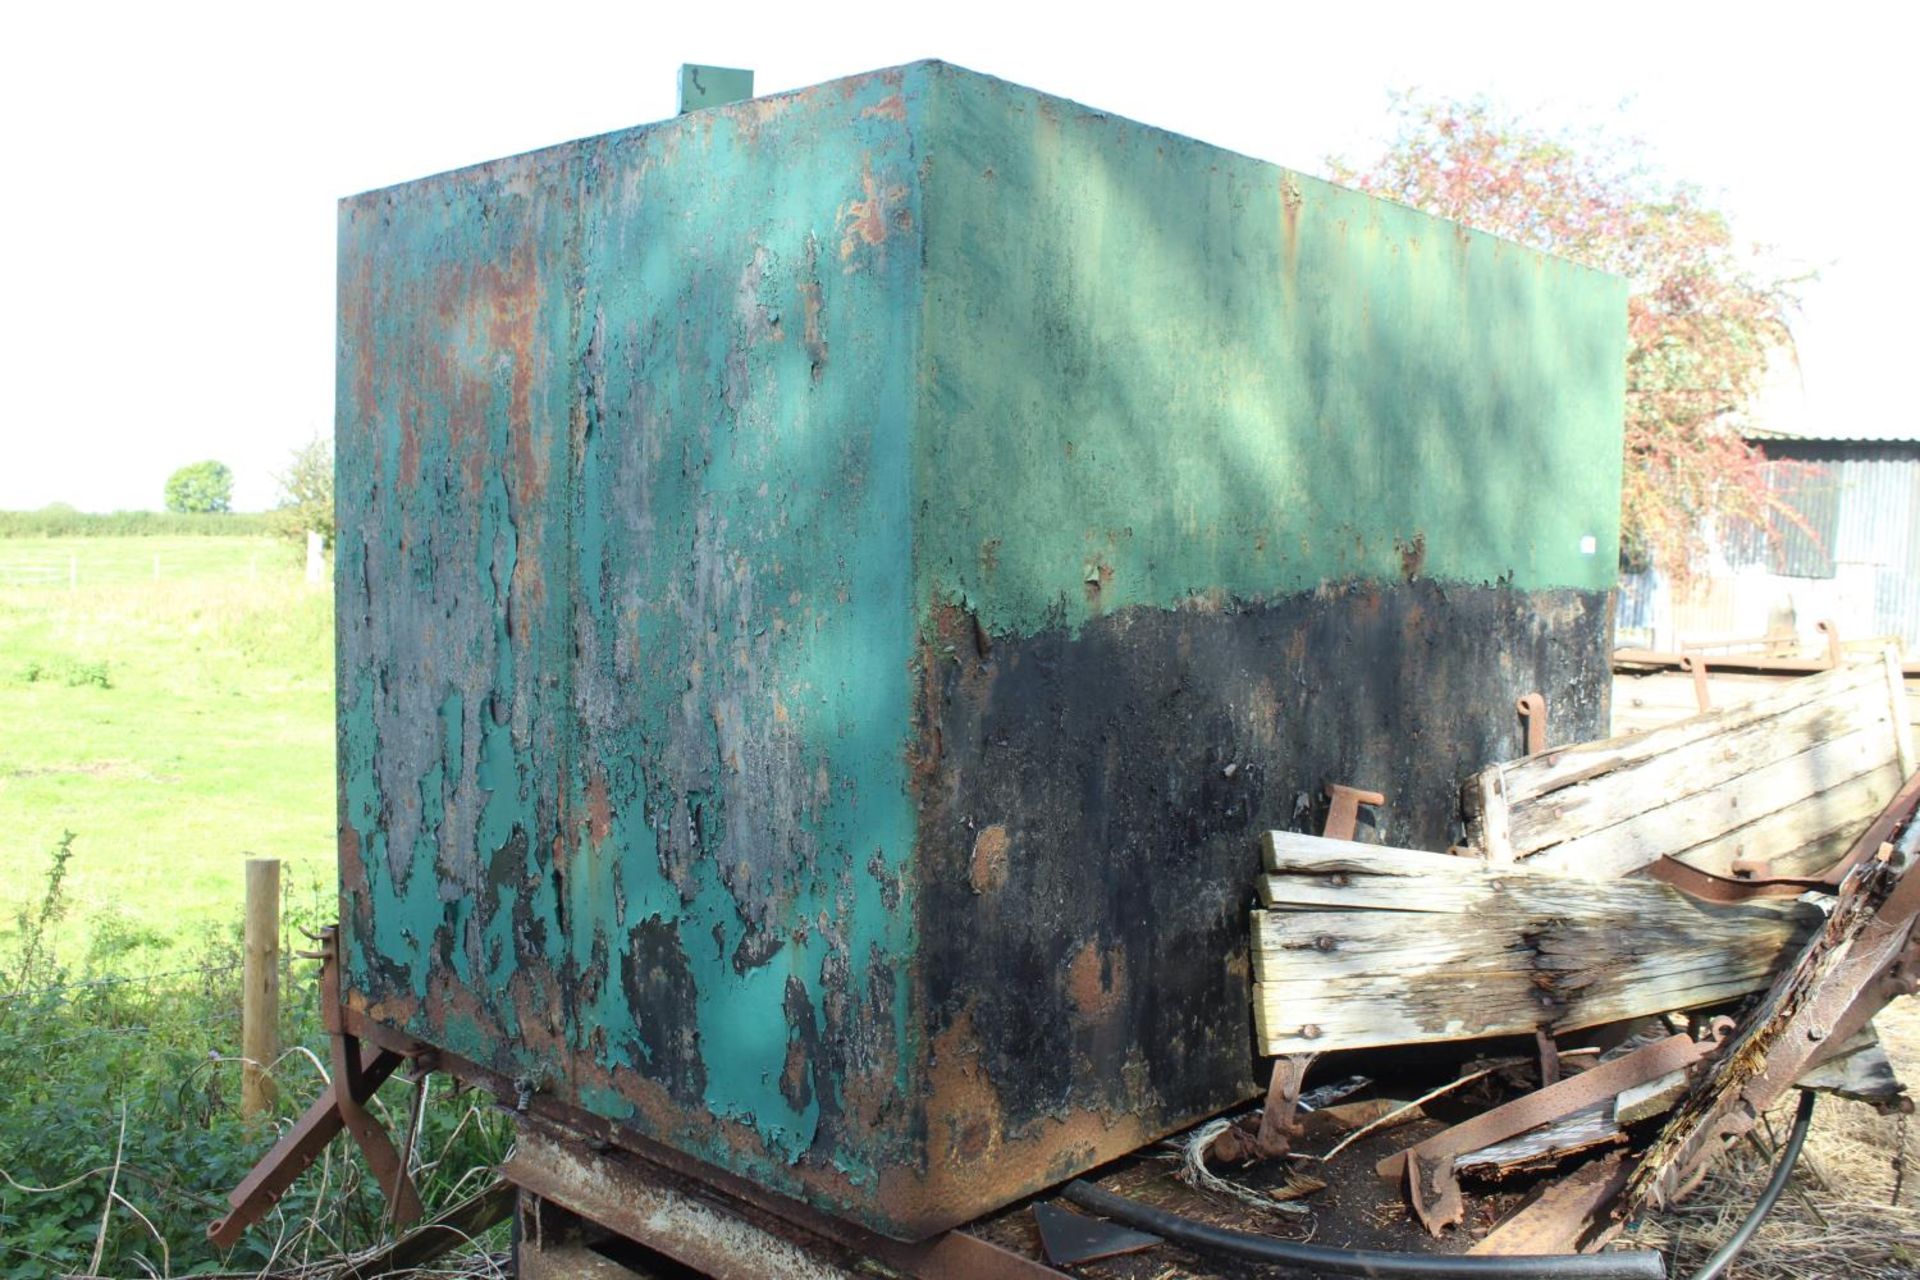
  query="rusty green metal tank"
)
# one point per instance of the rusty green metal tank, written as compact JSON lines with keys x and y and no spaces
{"x":831,"y":586}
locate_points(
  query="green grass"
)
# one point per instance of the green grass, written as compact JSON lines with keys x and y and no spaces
{"x":177,"y":724}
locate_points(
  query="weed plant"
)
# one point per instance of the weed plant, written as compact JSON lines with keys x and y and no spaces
{"x":120,"y":1130}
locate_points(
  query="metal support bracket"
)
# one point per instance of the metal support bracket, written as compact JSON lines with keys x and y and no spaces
{"x":1343,"y":809}
{"x":341,"y":1106}
{"x":1533,"y":714}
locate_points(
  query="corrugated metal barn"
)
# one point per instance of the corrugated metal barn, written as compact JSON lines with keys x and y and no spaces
{"x":1856,"y":561}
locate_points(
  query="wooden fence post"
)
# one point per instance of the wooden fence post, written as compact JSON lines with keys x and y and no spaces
{"x":260,"y":978}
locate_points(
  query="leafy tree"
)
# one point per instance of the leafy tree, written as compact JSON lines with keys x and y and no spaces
{"x":200,"y":487}
{"x":306,"y":491}
{"x":1703,"y":313}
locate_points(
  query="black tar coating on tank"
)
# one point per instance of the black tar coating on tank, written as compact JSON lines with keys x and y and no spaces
{"x":659,"y":986}
{"x":1098,"y":940}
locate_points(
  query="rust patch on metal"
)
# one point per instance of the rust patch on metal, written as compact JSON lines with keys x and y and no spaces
{"x":812,"y":336}
{"x":879,"y":212}
{"x":989,"y":867}
{"x":1098,"y":578}
{"x":599,"y":807}
{"x":892,"y":107}
{"x":964,"y":1116}
{"x":1097,"y":980}
{"x":1413,"y":555}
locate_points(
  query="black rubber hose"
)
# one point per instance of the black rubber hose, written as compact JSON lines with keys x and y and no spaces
{"x":1802,"y":1121}
{"x":1639,"y":1264}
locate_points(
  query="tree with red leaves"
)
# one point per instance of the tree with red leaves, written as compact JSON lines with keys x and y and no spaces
{"x":1703,"y":313}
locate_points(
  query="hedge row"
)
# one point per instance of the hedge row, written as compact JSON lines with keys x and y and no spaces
{"x":58,"y":523}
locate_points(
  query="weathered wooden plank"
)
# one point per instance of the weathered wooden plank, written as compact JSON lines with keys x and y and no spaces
{"x":1334,"y":944}
{"x":1805,"y":838}
{"x":1368,"y":1011}
{"x":1626,"y":793}
{"x":1586,"y":1128}
{"x":1525,"y":779}
{"x":1709,"y":816}
{"x":1491,"y":828}
{"x":1496,"y":953}
{"x":1314,"y":871}
{"x":1642,"y":702}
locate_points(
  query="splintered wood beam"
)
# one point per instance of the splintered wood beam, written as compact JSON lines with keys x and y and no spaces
{"x":1364,"y":946}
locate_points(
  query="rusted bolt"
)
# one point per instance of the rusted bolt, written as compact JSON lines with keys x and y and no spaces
{"x":1340,"y":880}
{"x":1310,"y":1032}
{"x":1325,"y":942}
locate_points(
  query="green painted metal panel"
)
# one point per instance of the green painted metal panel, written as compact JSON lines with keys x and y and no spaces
{"x":830,"y":586}
{"x":1155,"y":370}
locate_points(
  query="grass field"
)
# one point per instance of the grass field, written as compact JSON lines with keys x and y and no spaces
{"x":168,"y":700}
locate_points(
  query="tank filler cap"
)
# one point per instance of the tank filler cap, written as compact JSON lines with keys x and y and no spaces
{"x":712,"y":86}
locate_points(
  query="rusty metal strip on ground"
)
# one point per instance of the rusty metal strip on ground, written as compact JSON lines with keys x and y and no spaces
{"x":955,"y":1253}
{"x":670,"y":1215}
{"x":1567,"y":1216}
{"x":1427,"y":1167}
{"x":1069,"y":1239}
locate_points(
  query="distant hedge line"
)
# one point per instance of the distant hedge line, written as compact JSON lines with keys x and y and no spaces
{"x":82,"y":524}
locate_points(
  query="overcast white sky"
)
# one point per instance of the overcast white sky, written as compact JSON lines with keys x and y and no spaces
{"x":171,"y":170}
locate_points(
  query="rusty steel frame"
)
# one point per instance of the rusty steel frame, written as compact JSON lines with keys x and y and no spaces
{"x":701,"y":1216}
{"x":1640,"y":661}
{"x":702,"y":1221}
{"x":1710,"y":887}
{"x":342,"y":1105}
